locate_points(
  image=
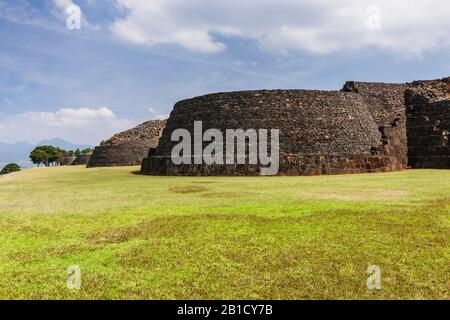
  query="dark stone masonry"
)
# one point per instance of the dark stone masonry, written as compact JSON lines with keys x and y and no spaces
{"x":128,"y":148}
{"x":82,"y":159}
{"x":67,"y":160}
{"x":428,"y":124}
{"x":365,"y":127}
{"x":386,"y":104}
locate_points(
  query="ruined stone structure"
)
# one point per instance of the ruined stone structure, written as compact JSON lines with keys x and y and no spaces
{"x":67,"y":160}
{"x":428,"y":124}
{"x":321,"y":132}
{"x":82,"y":159}
{"x":128,"y":148}
{"x":386,"y":104}
{"x":366,"y":127}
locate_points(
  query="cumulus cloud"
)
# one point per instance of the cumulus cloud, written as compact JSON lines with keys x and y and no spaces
{"x":408,"y":27}
{"x":157,"y":114}
{"x":82,"y":125}
{"x":70,"y":118}
{"x":155,"y":22}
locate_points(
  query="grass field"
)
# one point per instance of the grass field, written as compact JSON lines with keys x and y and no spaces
{"x":147,"y":237}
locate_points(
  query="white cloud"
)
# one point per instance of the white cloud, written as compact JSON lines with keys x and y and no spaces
{"x":157,"y":114}
{"x":151,"y":23}
{"x":408,"y":27}
{"x":82,"y":125}
{"x":70,"y":118}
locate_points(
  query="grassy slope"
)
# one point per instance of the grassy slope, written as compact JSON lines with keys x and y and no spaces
{"x":208,"y":237}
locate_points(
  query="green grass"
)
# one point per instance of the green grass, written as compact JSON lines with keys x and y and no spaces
{"x":141,"y":237}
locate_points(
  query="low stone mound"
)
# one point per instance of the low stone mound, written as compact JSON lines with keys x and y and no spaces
{"x":67,"y":160}
{"x":128,"y":148}
{"x":146,"y":133}
{"x":82,"y":159}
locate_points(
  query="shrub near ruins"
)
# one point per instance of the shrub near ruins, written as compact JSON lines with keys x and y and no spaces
{"x":9,"y":168}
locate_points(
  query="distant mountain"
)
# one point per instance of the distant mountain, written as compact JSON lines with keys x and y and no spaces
{"x":19,"y":152}
{"x":15,"y":151}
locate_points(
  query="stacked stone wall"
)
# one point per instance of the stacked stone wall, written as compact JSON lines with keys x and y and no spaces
{"x":386,"y":103}
{"x":428,"y":123}
{"x":82,"y":159}
{"x":67,"y":160}
{"x":321,"y":132}
{"x":128,"y":148}
{"x":125,"y":154}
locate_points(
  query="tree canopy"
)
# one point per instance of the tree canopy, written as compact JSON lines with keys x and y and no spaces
{"x":9,"y":168}
{"x":46,"y":155}
{"x":50,"y":155}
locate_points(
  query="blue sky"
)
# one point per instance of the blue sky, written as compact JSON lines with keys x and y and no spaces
{"x":133,"y":59}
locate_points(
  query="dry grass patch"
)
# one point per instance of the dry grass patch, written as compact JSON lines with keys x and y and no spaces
{"x":188,"y":189}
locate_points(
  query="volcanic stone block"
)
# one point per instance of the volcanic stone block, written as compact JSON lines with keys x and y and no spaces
{"x":428,"y":123}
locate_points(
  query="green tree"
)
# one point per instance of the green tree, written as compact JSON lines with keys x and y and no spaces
{"x":54,"y":155}
{"x":38,"y":156}
{"x":77,"y":152}
{"x":11,"y":167}
{"x":46,"y":155}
